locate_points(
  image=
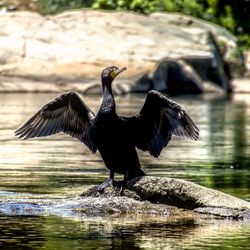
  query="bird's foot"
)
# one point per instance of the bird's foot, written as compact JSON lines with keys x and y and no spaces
{"x":122,"y":187}
{"x":117,"y":185}
{"x":105,"y":184}
{"x":121,"y":190}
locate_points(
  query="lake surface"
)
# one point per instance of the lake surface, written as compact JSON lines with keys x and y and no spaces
{"x":59,"y":166}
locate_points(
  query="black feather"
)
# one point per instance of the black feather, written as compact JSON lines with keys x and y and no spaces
{"x":114,"y":136}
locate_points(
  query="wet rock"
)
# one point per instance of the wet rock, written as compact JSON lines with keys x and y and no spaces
{"x":72,"y":48}
{"x":154,"y":196}
{"x":16,"y":208}
{"x":88,"y":207}
{"x":101,"y":206}
{"x":242,"y":214}
{"x":182,"y":194}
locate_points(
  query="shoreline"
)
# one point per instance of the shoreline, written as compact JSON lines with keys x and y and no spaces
{"x":93,"y":86}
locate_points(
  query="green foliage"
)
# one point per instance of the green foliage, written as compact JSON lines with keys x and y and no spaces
{"x":233,"y":15}
{"x":55,"y":6}
{"x":141,"y":6}
{"x":227,"y":20}
{"x":169,"y":5}
{"x":244,"y":40}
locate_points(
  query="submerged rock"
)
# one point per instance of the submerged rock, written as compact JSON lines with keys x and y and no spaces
{"x":72,"y":48}
{"x":21,"y":208}
{"x":152,"y":196}
{"x":242,"y":214}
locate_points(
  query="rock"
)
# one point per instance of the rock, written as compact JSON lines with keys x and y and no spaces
{"x":247,"y":62}
{"x":73,"y":47}
{"x":88,"y":207}
{"x":227,"y":42}
{"x":155,"y":196}
{"x":182,"y":194}
{"x":101,"y":206}
{"x":242,"y":214}
{"x":172,"y":77}
{"x":215,"y":70}
{"x":16,"y":208}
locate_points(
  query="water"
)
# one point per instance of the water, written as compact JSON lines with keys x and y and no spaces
{"x":59,"y":166}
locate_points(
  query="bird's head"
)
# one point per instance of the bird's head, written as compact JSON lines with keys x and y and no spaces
{"x":110,"y":73}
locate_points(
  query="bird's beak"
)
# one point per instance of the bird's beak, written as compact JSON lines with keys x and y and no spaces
{"x":119,"y":71}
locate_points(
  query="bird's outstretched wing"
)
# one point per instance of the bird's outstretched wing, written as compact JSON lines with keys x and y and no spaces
{"x":159,"y":119}
{"x":67,"y":113}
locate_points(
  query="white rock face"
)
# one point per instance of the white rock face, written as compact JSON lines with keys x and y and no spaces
{"x":77,"y":45}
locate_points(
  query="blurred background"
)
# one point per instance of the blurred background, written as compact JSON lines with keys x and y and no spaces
{"x":196,"y":52}
{"x":233,"y":15}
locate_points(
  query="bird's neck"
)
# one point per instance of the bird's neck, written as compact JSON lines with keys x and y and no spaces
{"x":108,"y":101}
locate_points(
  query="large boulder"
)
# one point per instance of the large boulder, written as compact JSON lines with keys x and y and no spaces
{"x":73,"y":47}
{"x":177,"y":193}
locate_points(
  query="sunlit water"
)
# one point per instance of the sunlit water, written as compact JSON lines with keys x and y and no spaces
{"x":59,"y":166}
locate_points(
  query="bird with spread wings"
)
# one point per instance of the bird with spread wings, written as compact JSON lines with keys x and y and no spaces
{"x":115,"y":137}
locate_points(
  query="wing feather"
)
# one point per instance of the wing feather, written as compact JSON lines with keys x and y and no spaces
{"x":159,"y":119}
{"x":67,"y":113}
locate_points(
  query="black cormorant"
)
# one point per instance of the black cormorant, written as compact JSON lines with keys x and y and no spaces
{"x":115,"y":137}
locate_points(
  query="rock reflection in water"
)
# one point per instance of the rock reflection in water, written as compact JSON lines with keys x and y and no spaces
{"x":127,"y":232}
{"x":58,"y":166}
{"x":21,"y":232}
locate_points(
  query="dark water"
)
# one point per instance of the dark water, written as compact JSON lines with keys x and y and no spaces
{"x":60,"y":166}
